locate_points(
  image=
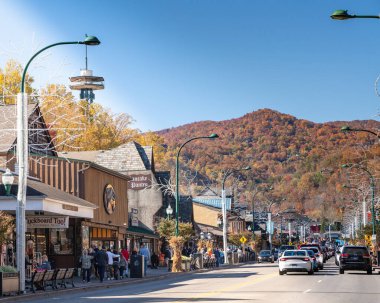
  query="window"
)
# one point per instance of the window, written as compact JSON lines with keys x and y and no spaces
{"x":61,"y":241}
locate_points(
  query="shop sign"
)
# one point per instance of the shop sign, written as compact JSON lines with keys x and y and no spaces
{"x":139,"y":182}
{"x":109,"y":199}
{"x":134,"y":217}
{"x":47,"y":222}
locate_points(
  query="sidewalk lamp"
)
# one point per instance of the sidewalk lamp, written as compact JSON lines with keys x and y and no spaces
{"x":7,"y":178}
{"x":228,"y":173}
{"x":169,"y":211}
{"x":22,"y":158}
{"x":177,"y":196}
{"x":372,"y":185}
{"x":202,"y":235}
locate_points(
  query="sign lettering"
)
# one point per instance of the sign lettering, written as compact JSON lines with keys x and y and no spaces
{"x":139,"y":182}
{"x":47,"y":222}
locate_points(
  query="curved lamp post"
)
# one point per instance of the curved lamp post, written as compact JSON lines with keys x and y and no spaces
{"x":372,"y":184}
{"x":22,"y":158}
{"x":212,"y":136}
{"x":344,"y":15}
{"x":227,"y":173}
{"x":349,"y":129}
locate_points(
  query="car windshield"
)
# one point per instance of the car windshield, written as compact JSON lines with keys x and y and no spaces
{"x":290,"y":253}
{"x":264,"y":253}
{"x":355,"y":251}
{"x":310,"y":252}
{"x":314,"y":249}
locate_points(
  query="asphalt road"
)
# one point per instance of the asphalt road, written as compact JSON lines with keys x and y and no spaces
{"x":249,"y":283}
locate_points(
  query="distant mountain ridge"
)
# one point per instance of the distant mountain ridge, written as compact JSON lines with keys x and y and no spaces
{"x":281,"y":149}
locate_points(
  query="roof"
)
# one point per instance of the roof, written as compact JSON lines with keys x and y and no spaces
{"x":141,"y":230}
{"x":8,"y":128}
{"x":39,"y":189}
{"x":127,"y":157}
{"x":208,"y":228}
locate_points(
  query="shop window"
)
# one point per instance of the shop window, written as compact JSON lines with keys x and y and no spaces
{"x":109,"y":233}
{"x":61,"y":241}
{"x":104,"y":233}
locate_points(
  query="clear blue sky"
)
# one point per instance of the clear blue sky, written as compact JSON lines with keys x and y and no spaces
{"x":168,"y":63}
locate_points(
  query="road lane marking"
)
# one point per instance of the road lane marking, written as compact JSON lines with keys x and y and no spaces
{"x":228,"y":289}
{"x":319,"y":281}
{"x":306,"y":291}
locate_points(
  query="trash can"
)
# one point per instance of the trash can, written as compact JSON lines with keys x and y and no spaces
{"x":136,"y":266}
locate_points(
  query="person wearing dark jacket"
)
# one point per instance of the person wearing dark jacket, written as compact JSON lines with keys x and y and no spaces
{"x":101,"y":258}
{"x":154,"y":260}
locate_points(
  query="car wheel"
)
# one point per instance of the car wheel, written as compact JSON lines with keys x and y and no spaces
{"x":281,"y":272}
{"x":341,"y":271}
{"x":369,"y":271}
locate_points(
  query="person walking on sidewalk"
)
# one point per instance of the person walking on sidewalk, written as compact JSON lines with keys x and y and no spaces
{"x":102,"y":261}
{"x":85,"y":260}
{"x":146,"y":254}
{"x":110,"y":267}
{"x":123,"y":264}
{"x":125,"y":253}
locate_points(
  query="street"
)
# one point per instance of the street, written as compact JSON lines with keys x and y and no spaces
{"x":248,"y":283}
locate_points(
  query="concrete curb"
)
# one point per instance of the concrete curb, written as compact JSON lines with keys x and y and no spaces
{"x":118,"y":283}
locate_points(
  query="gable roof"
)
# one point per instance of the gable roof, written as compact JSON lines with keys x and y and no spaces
{"x":8,"y":125}
{"x":127,"y":157}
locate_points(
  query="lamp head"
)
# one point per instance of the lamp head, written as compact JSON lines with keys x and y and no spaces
{"x":213,"y":136}
{"x":246,"y":168}
{"x":346,"y":165}
{"x":7,"y":178}
{"x":169,"y":210}
{"x":341,"y":15}
{"x":91,"y":40}
{"x":346,"y":128}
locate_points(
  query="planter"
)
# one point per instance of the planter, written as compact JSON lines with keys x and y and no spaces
{"x":9,"y":283}
{"x":185,"y":265}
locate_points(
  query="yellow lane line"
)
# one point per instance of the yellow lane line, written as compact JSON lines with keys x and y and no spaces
{"x":228,"y":289}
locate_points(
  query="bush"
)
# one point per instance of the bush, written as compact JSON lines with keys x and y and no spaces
{"x":8,"y":269}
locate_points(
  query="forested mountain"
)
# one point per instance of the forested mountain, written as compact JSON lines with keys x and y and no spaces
{"x":300,"y":160}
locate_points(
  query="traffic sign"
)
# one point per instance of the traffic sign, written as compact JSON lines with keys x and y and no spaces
{"x":373,"y":238}
{"x":243,"y":239}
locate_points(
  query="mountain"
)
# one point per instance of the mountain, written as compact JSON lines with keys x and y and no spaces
{"x":299,"y":159}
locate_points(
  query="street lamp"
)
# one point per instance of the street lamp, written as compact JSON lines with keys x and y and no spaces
{"x":202,"y":235}
{"x":227,"y":173}
{"x":212,"y":136}
{"x":169,"y":211}
{"x":344,"y":15}
{"x":349,"y":129}
{"x":372,"y":185}
{"x":7,"y":178}
{"x":22,"y":158}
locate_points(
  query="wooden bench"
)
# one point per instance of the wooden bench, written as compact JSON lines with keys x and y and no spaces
{"x":36,"y":280}
{"x":59,"y":275}
{"x":48,"y":279}
{"x":67,"y":278}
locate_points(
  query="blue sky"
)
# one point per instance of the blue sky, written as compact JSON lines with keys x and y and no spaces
{"x":168,"y":63}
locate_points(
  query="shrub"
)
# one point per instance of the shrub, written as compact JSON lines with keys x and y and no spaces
{"x":8,"y":269}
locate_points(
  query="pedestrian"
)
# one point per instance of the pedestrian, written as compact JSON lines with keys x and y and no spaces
{"x":102,"y":262}
{"x":85,"y":260}
{"x":217,"y":256}
{"x":96,"y":250}
{"x":125,"y":253}
{"x":115,"y":264}
{"x":45,"y":264}
{"x":123,"y":264}
{"x":146,"y":254}
{"x":111,"y":256}
{"x":167,"y":256}
{"x":154,"y":261}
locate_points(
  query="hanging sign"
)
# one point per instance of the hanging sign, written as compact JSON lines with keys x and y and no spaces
{"x":47,"y":221}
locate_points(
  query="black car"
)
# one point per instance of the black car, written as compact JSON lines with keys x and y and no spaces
{"x":355,"y":258}
{"x":265,"y":255}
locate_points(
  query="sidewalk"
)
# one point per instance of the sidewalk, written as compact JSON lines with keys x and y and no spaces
{"x":94,"y":283}
{"x":152,"y":274}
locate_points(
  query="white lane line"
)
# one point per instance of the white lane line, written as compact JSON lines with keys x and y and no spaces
{"x":306,"y":291}
{"x":319,"y":281}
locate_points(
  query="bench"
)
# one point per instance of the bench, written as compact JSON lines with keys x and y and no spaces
{"x":36,"y":280}
{"x":59,"y":275}
{"x":67,"y":278}
{"x":48,"y":279}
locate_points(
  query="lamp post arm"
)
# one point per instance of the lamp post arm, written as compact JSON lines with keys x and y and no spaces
{"x":36,"y":54}
{"x":367,"y":131}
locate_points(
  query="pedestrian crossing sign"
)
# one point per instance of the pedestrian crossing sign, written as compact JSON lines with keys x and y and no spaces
{"x":243,"y":239}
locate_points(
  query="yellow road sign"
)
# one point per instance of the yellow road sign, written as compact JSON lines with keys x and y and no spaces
{"x":243,"y":239}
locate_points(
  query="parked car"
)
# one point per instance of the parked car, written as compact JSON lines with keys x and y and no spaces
{"x":265,"y":256}
{"x":317,"y":251}
{"x":295,"y":261}
{"x":355,"y":258}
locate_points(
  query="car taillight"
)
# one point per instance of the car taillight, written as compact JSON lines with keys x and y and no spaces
{"x":306,"y":259}
{"x":344,"y":255}
{"x":366,"y":256}
{"x":283,"y":259}
{"x":314,"y":258}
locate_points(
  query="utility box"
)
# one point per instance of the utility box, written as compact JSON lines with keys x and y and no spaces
{"x":136,"y":266}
